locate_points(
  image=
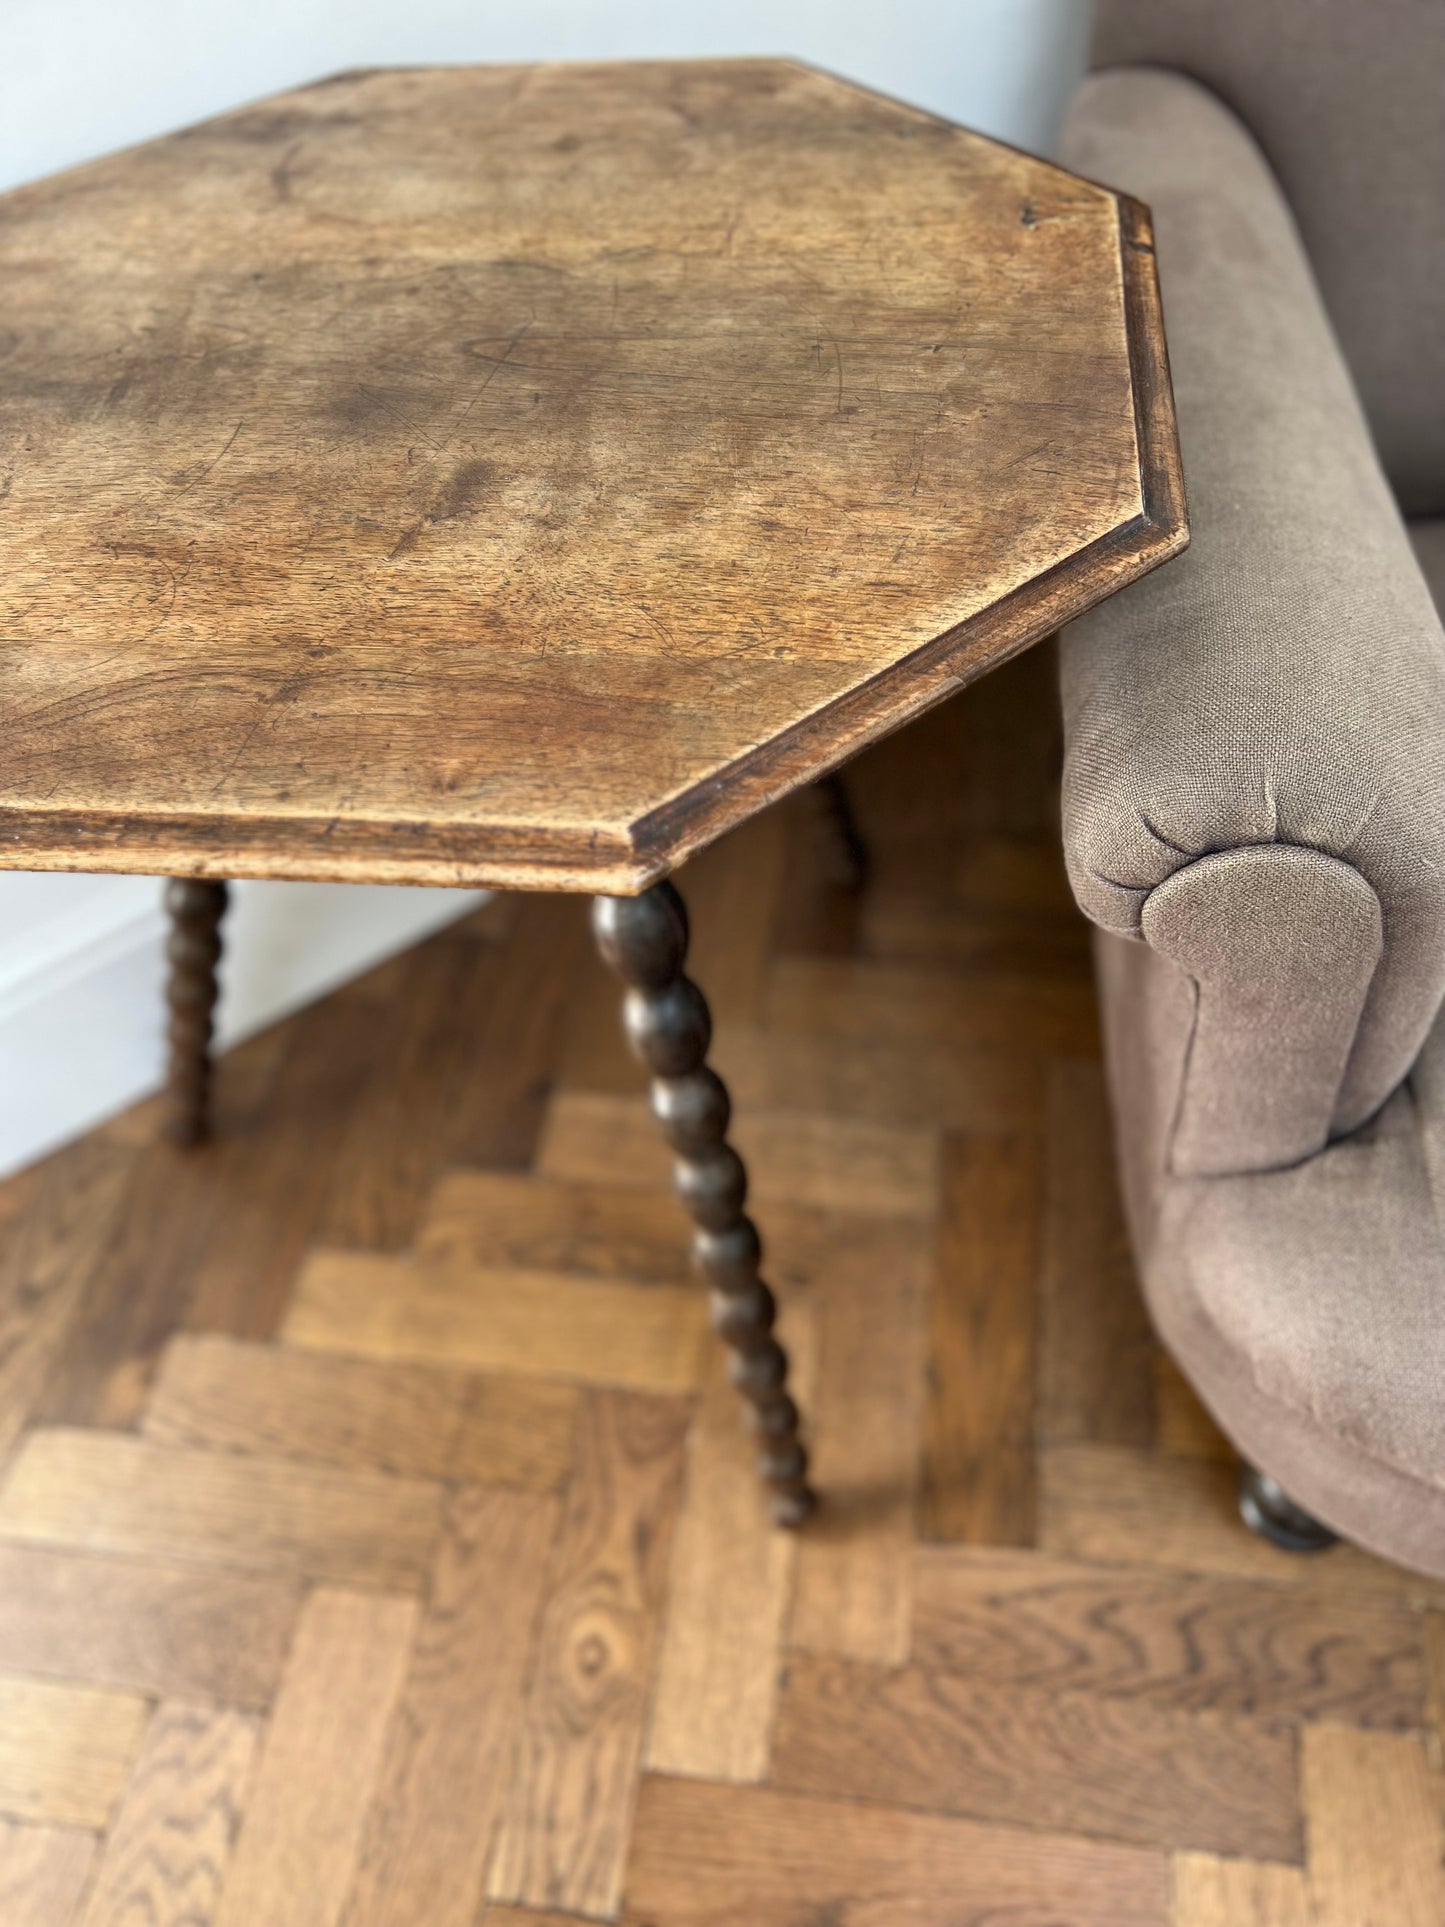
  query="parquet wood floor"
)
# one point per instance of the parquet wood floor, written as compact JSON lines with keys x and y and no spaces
{"x":379,"y":1546}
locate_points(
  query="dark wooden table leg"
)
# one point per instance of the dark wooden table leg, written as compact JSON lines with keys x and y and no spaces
{"x":849,"y":846}
{"x":644,"y":939}
{"x":193,"y":950}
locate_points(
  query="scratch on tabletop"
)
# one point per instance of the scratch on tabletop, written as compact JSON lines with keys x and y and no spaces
{"x":196,"y":481}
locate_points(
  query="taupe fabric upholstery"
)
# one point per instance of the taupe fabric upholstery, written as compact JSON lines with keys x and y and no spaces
{"x":1282,"y":682}
{"x":1254,"y":793}
{"x":1307,"y":1306}
{"x":1347,"y":99}
{"x":1279,"y":946}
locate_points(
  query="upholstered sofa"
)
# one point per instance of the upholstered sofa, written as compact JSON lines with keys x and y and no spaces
{"x":1254,"y":786}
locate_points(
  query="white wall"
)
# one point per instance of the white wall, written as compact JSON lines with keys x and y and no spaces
{"x":79,"y":77}
{"x":81,"y":1012}
{"x":80,"y":966}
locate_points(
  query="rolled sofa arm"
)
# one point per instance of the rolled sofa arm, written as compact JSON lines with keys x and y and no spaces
{"x":1254,"y":776}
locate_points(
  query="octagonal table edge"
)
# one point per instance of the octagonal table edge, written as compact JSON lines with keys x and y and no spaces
{"x":468,"y":855}
{"x":833,"y":734}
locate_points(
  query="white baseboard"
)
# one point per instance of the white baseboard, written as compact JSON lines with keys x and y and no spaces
{"x":82,"y":976}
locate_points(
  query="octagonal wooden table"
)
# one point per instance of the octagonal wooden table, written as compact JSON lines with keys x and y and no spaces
{"x":519,"y":476}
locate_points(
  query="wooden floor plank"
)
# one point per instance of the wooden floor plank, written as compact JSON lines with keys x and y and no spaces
{"x":402,"y":1115}
{"x":728,"y":1594}
{"x":1210,"y":1892}
{"x":1008,"y":774}
{"x":65,"y":1751}
{"x":507,"y":1222}
{"x":564,"y":1832}
{"x":1183,"y":1428}
{"x":1198,"y":1643}
{"x":46,"y":1261}
{"x":1026,"y":1756}
{"x":818,"y":913}
{"x":795,"y":1157}
{"x":137,"y":1290}
{"x":1373,"y":1815}
{"x":715,"y":1856}
{"x":497,"y":1221}
{"x":838,"y":997}
{"x":551,"y":1324}
{"x":166,"y":1855}
{"x":275,"y":1181}
{"x":579,"y":1690}
{"x":114,"y":1493}
{"x":243,"y":1085}
{"x":1097,"y":1351}
{"x":595,"y":1054}
{"x":294,"y":1860}
{"x":425,"y":1422}
{"x":1434,"y":1630}
{"x":978,"y":1476}
{"x":1112,"y":1504}
{"x":176,"y":1631}
{"x":450,"y":1748}
{"x":996,"y":868}
{"x":19,"y":1191}
{"x":854,"y":1585}
{"x":910,"y":800}
{"x":528,"y":1917}
{"x":948,"y":1088}
{"x":943,"y":1088}
{"x":43,"y":1873}
{"x":512,"y":1030}
{"x":929,"y":929}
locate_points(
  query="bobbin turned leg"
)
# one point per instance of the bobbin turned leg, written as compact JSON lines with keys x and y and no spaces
{"x":193,"y":949}
{"x":848,"y":846}
{"x":644,"y":939}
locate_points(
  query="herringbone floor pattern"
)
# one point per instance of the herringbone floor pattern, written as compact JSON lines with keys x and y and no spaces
{"x":378,"y":1543}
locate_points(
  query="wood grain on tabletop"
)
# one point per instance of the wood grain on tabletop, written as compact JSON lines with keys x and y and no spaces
{"x":519,"y":475}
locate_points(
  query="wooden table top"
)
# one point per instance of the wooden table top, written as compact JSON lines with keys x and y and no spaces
{"x":520,"y":475}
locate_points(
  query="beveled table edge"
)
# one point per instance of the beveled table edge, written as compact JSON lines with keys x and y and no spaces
{"x":506,"y":856}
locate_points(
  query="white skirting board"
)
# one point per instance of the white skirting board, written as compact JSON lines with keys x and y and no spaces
{"x":82,"y":976}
